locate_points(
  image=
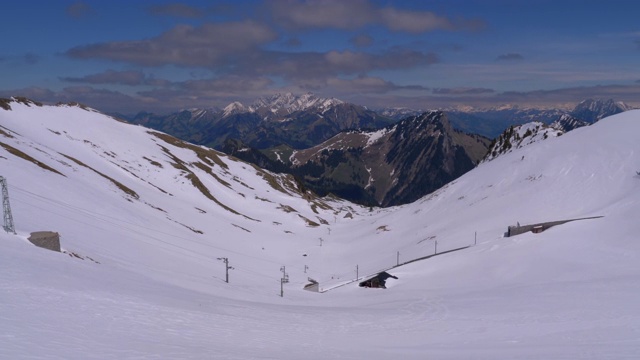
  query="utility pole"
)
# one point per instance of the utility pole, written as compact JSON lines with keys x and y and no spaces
{"x":6,"y":207}
{"x":436,"y":247}
{"x":283,"y":280}
{"x":226,"y":264}
{"x":357,"y":276}
{"x":398,"y":259}
{"x":475,"y":239}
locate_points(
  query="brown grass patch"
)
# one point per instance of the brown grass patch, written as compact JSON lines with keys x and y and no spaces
{"x":197,"y":183}
{"x":153,"y":162}
{"x":24,"y":156}
{"x":4,"y":103}
{"x":6,"y":134}
{"x":287,"y":208}
{"x":118,"y":184}
{"x":240,"y":227}
{"x":209,"y":156}
{"x":309,"y":222}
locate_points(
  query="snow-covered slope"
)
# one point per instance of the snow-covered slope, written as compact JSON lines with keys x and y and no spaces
{"x":516,"y":137}
{"x":158,"y":290}
{"x":87,"y":176}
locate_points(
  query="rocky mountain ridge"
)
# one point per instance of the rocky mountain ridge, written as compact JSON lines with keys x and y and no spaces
{"x":389,"y":166}
{"x":567,"y":123}
{"x":516,"y":137}
{"x":592,"y":110}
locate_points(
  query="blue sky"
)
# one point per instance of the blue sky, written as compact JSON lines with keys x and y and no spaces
{"x":161,"y":56}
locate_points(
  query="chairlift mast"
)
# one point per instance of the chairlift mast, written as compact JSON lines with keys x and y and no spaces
{"x":6,"y":208}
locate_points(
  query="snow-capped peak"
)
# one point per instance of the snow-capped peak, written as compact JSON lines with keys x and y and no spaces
{"x":290,"y":103}
{"x":234,"y":108}
{"x":592,"y":110}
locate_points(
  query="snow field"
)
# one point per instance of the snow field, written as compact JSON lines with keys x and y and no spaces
{"x":158,"y":291}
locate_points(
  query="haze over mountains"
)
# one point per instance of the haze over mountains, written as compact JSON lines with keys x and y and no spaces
{"x":148,"y":217}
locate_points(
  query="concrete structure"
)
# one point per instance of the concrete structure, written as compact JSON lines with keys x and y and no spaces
{"x":540,"y":227}
{"x":46,"y":239}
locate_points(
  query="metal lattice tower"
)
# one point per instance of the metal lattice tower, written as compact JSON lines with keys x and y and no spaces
{"x":6,"y":208}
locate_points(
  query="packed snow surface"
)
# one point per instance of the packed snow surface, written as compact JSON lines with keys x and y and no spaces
{"x":148,"y":283}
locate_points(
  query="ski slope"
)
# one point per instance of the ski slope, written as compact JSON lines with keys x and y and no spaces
{"x":151,"y":286}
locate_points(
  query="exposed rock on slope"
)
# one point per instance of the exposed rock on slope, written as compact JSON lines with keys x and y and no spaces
{"x":394,"y":165}
{"x":567,"y":123}
{"x":519,"y":136}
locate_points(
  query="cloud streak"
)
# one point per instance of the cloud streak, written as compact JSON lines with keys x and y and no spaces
{"x":79,"y":10}
{"x":510,"y":57}
{"x":131,"y":78}
{"x":355,"y":14}
{"x":177,"y":10}
{"x":573,"y":94}
{"x":362,"y":40}
{"x":31,"y":59}
{"x":367,"y":85}
{"x":250,"y":57}
{"x":462,"y":91}
{"x":209,"y":45}
{"x":237,"y":49}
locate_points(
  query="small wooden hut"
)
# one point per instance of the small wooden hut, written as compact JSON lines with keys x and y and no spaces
{"x":378,"y":281}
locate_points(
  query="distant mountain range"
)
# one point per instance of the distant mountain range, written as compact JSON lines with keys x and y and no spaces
{"x":491,"y":122}
{"x":326,"y":143}
{"x":591,"y":110}
{"x":585,"y":113}
{"x":307,"y":120}
{"x":299,"y":121}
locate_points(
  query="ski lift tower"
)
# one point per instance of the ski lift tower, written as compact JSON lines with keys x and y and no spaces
{"x":6,"y":208}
